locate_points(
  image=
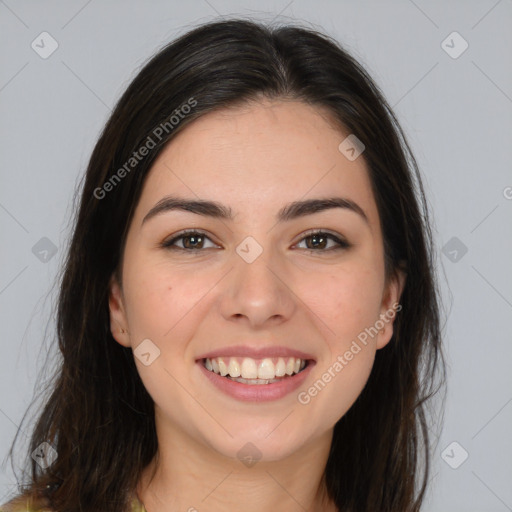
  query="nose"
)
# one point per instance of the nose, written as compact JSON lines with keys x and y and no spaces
{"x":257,"y":293}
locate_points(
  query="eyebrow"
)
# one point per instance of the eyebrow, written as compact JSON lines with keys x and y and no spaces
{"x":217,"y":210}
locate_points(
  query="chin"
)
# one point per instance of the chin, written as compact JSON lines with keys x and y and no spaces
{"x":250,"y":445}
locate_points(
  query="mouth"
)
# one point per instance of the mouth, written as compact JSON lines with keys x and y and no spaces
{"x":251,"y":371}
{"x":256,"y":380}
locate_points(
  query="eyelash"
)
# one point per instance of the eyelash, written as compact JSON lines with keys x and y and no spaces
{"x":169,"y":244}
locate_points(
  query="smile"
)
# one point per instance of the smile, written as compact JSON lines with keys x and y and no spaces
{"x":255,"y":371}
{"x":256,"y":380}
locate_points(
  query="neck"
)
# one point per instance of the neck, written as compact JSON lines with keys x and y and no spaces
{"x":189,"y":476}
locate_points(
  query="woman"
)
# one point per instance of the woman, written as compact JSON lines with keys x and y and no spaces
{"x":248,"y":315}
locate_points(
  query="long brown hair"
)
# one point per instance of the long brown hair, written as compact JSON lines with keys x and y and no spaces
{"x":98,"y":415}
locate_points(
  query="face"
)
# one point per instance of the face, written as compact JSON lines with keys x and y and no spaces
{"x":269,"y":289}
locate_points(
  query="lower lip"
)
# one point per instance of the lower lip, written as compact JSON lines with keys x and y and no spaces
{"x":257,"y":392}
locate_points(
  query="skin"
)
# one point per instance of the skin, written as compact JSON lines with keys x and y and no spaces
{"x":254,"y":159}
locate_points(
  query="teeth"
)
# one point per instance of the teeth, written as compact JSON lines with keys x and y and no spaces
{"x":281,"y":367}
{"x":249,"y":369}
{"x":223,"y":368}
{"x":234,"y":367}
{"x":252,"y":371}
{"x":254,"y":381}
{"x":266,"y":369}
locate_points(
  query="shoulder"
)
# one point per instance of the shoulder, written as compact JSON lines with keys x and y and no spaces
{"x":24,"y":503}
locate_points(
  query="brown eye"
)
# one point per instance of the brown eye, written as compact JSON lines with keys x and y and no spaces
{"x":317,"y":242}
{"x":191,"y":241}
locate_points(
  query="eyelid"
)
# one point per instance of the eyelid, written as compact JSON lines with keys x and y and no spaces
{"x":167,"y":243}
{"x":323,"y":231}
{"x":340,"y":240}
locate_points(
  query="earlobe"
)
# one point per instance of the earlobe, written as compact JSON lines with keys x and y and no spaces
{"x":118,"y":323}
{"x":390,"y":307}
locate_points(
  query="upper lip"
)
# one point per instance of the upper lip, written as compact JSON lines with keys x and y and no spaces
{"x":256,"y":353}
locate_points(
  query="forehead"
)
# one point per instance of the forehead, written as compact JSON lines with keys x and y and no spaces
{"x":257,"y":157}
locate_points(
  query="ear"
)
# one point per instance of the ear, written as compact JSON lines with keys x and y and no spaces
{"x":118,"y":321}
{"x":390,"y":306}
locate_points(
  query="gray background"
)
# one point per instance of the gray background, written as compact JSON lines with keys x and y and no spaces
{"x":457,"y":114}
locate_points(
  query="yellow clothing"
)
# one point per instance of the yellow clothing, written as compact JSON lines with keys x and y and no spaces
{"x":23,"y":504}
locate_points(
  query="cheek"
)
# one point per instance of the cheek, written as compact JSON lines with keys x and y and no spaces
{"x":348,"y":301}
{"x":158,"y":299}
{"x":339,"y":380}
{"x":337,"y":383}
{"x":350,"y":377}
{"x":161,"y":305}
